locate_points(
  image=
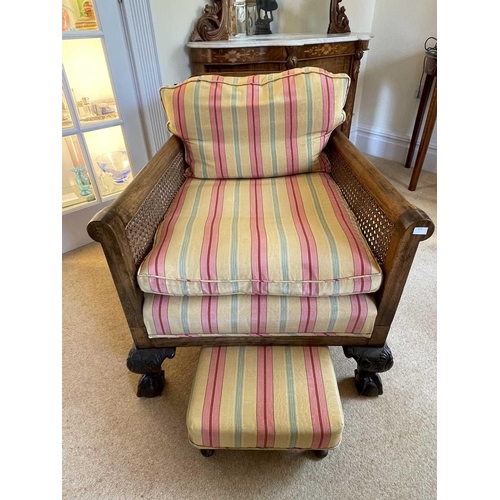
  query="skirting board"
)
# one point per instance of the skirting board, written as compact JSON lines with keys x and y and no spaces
{"x":384,"y":144}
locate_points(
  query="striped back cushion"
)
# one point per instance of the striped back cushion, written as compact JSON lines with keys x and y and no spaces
{"x":256,"y":126}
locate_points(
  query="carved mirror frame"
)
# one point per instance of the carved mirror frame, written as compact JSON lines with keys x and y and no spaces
{"x":213,"y":25}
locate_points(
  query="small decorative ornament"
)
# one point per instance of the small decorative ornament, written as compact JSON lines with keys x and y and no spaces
{"x":214,"y":23}
{"x":88,"y":21}
{"x":82,"y":180}
{"x":65,"y":20}
{"x":252,"y":15}
{"x":262,"y":23}
{"x":116,"y":164}
{"x":237,"y":18}
{"x":68,"y":17}
{"x":339,"y":23}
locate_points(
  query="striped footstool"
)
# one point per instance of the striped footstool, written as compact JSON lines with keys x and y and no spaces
{"x":274,"y":398}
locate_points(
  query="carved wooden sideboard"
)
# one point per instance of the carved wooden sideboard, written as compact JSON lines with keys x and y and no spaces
{"x":337,"y":53}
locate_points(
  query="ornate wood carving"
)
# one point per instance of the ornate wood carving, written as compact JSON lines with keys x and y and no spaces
{"x":148,"y":360}
{"x":358,"y":55}
{"x":213,"y":25}
{"x":339,"y":23}
{"x":291,"y":57}
{"x":371,"y":359}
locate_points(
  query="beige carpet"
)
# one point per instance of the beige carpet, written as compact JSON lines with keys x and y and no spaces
{"x":117,"y":446}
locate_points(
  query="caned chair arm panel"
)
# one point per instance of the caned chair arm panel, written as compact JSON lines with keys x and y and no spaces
{"x":156,"y":184}
{"x":143,"y":204}
{"x":367,"y":190}
{"x":392,"y":226}
{"x":383,"y":192}
{"x":126,"y":228}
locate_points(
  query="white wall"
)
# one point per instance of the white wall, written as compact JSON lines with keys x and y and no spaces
{"x":173,"y":24}
{"x":392,"y":74}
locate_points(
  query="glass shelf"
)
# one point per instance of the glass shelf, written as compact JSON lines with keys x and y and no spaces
{"x":67,"y":121}
{"x":72,"y":197}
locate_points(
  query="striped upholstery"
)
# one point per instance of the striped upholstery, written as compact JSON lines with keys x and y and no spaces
{"x":258,"y":315}
{"x":288,"y":235}
{"x":256,"y":126}
{"x":265,"y":397}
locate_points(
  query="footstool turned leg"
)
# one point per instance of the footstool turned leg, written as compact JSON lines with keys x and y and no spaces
{"x":371,"y":361}
{"x":147,"y":362}
{"x":321,"y":453}
{"x":207,"y":453}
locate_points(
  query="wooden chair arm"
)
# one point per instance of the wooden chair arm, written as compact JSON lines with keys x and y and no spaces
{"x":126,"y":228}
{"x":391,"y":225}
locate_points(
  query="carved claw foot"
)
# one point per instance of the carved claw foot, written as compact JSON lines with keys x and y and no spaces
{"x":147,"y":362}
{"x":151,"y":385}
{"x":207,"y":453}
{"x":371,"y":361}
{"x":321,"y":453}
{"x":368,"y":384}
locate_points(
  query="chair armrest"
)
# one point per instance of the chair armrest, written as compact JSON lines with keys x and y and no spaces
{"x":126,"y":228}
{"x":391,"y":225}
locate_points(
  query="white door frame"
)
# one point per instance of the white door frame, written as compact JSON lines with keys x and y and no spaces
{"x":138,"y":24}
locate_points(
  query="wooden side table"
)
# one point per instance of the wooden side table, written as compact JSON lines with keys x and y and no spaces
{"x":430,"y":69}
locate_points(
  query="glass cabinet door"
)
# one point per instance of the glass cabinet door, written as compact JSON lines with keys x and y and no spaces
{"x":96,"y":160}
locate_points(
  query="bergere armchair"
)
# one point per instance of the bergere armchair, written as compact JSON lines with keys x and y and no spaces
{"x":259,"y":223}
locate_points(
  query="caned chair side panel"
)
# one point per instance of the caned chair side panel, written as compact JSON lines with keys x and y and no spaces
{"x":387,"y":221}
{"x":142,"y":226}
{"x":376,"y":227}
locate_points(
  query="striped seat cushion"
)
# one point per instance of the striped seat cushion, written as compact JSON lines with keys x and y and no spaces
{"x":256,"y":126}
{"x":258,"y":315}
{"x":288,"y":235}
{"x":265,"y":397}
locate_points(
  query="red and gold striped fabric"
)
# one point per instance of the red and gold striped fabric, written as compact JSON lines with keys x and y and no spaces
{"x":290,"y":235}
{"x":258,"y":315}
{"x":265,"y":397}
{"x":256,"y":126}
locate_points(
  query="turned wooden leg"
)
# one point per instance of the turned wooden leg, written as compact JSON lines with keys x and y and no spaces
{"x":424,"y":98}
{"x":425,"y":140}
{"x":371,"y":361}
{"x":321,"y":453}
{"x":147,"y":362}
{"x":207,"y":453}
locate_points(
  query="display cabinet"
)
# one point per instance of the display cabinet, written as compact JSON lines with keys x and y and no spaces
{"x":103,"y":144}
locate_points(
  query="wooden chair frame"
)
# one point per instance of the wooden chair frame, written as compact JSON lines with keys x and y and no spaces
{"x":391,"y":225}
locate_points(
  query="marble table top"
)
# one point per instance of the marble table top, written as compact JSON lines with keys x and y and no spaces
{"x":283,"y":39}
